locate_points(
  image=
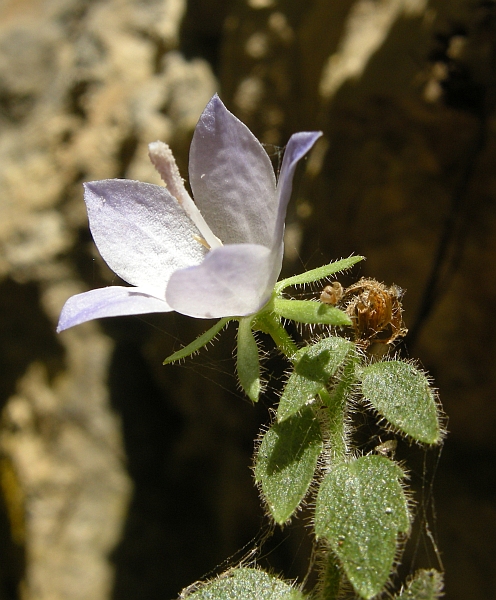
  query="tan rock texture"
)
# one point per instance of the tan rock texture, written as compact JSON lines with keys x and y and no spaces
{"x":128,"y":480}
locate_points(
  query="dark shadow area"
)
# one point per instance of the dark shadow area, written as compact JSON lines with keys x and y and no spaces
{"x":146,"y":558}
{"x":26,"y":335}
{"x":202,"y":30}
{"x":188,"y":438}
{"x":171,"y":536}
{"x":12,"y":557}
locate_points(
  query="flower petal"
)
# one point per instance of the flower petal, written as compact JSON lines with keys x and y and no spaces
{"x":235,"y":280}
{"x":232,"y":178}
{"x":299,"y":144}
{"x":141,"y":232}
{"x":112,"y":301}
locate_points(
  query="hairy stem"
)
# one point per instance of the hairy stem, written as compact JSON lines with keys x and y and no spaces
{"x":336,"y":401}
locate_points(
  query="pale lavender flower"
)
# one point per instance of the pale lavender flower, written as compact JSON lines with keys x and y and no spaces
{"x":219,"y":256}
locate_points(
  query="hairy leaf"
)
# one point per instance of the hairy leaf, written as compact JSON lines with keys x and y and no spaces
{"x":286,"y":462}
{"x":425,"y":585}
{"x":246,"y":584}
{"x":314,"y":366}
{"x":361,"y":508}
{"x":402,"y":395}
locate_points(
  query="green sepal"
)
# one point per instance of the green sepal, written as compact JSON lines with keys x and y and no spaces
{"x":314,"y":366}
{"x":269,"y":323}
{"x":360,"y":510}
{"x":243,"y":584}
{"x":319,"y":273}
{"x":401,"y":394}
{"x":197,"y":344}
{"x":427,"y":584}
{"x":286,"y":461}
{"x":247,"y":362}
{"x":310,"y":311}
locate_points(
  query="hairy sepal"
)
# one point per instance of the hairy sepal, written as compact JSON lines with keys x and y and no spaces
{"x":318,"y":273}
{"x":310,"y":312}
{"x":247,"y":360}
{"x":198,"y":344}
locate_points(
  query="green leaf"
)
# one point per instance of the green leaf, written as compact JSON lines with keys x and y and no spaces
{"x":360,"y":509}
{"x":425,"y":585}
{"x":286,"y":462}
{"x":401,"y":394}
{"x":310,"y":311}
{"x":313,"y":368}
{"x":201,"y":341}
{"x":247,"y":363}
{"x":319,"y":273}
{"x":246,"y":584}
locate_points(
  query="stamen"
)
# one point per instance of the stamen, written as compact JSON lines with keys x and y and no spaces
{"x":201,"y":241}
{"x":163,"y":160}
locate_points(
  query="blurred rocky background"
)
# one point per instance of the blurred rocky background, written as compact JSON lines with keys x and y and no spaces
{"x":122,"y":479}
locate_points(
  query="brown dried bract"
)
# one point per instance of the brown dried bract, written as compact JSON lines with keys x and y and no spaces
{"x":374,"y":309}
